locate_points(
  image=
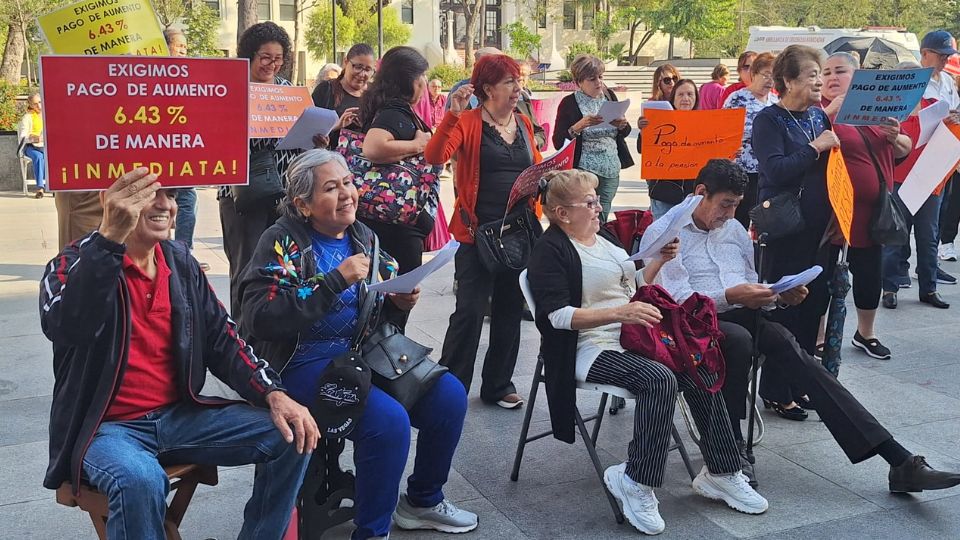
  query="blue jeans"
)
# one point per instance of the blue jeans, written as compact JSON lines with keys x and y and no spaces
{"x":606,"y":190}
{"x":125,"y":462}
{"x":926,"y":232}
{"x":186,"y":215}
{"x":659,"y":208}
{"x":381,"y":442}
{"x":39,"y":161}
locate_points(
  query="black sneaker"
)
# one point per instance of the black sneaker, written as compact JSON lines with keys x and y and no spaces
{"x":872,"y":347}
{"x":945,"y":278}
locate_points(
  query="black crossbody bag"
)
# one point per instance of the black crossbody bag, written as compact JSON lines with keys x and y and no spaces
{"x":888,"y":227}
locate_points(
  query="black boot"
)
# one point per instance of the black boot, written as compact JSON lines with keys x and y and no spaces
{"x":915,"y":475}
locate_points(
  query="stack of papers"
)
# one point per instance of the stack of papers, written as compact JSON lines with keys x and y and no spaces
{"x":679,"y":217}
{"x":790,"y":282}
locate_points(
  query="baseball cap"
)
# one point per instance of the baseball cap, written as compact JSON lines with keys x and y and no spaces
{"x":938,"y":41}
{"x":342,"y":391}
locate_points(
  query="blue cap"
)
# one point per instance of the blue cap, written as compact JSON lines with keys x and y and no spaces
{"x":938,"y":41}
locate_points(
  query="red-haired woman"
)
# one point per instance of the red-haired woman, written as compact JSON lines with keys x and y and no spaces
{"x":494,"y":145}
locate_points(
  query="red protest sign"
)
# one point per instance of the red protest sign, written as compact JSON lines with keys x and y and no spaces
{"x":183,"y":118}
{"x":528,"y":181}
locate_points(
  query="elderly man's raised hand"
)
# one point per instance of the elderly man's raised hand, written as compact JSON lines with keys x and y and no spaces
{"x":123,"y":202}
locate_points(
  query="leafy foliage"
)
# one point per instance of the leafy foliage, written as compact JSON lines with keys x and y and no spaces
{"x":523,"y":41}
{"x":202,"y":28}
{"x":10,"y":110}
{"x":578,"y":48}
{"x":356,"y":23}
{"x":449,"y":74}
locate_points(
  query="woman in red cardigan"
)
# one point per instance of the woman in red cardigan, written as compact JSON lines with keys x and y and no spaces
{"x":493,"y":144}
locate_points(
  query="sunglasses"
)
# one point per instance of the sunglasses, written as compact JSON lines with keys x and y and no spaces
{"x":668,"y":80}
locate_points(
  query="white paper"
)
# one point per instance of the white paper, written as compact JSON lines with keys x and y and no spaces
{"x":678,"y":220}
{"x":937,"y":159}
{"x":409,"y":281}
{"x":612,"y":110}
{"x":656,"y":105}
{"x":930,"y":118}
{"x":790,"y":282}
{"x":313,"y":121}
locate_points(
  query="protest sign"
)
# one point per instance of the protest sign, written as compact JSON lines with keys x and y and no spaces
{"x":528,"y":181}
{"x":677,"y":144}
{"x":545,"y":112}
{"x":936,"y":162}
{"x":878,"y":94}
{"x":274,"y":109}
{"x":104,"y":27}
{"x":840,"y":191}
{"x":183,"y":118}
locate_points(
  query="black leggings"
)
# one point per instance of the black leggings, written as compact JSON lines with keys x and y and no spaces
{"x":865,"y":265}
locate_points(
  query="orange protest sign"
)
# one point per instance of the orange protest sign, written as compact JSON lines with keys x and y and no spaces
{"x":840,"y":191}
{"x":274,"y":109}
{"x":677,"y":144}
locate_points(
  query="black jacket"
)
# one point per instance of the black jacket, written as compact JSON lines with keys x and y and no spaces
{"x":568,"y":114}
{"x":556,"y":281}
{"x":85,"y":313}
{"x":282,"y":293}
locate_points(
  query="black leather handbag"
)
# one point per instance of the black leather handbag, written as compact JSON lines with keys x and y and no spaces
{"x":505,"y":244}
{"x":888,"y":226}
{"x":779,"y":215}
{"x":264,"y":188}
{"x":400,"y":366}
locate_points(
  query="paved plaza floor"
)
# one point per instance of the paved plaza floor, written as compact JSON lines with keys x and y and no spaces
{"x":814,"y":492}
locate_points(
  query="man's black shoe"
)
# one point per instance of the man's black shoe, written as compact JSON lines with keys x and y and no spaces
{"x":915,"y":475}
{"x":934,"y":300}
{"x":746,"y":467}
{"x":890,"y":300}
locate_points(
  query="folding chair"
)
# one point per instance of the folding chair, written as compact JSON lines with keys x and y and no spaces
{"x":589,"y":439}
{"x":24,"y":171}
{"x":692,"y":427}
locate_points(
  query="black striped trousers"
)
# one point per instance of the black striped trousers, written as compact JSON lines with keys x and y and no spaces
{"x":656,"y":389}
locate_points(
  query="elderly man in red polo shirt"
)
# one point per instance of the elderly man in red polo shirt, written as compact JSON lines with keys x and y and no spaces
{"x":135,"y":326}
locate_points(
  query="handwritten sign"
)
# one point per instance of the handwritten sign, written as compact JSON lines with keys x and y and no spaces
{"x":677,"y":144}
{"x":104,"y":27}
{"x":183,"y":118}
{"x":274,"y":109}
{"x":528,"y":181}
{"x":840,"y":191}
{"x":876,"y":95}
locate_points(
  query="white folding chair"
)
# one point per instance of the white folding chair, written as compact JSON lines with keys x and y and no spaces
{"x":24,"y":171}
{"x":589,"y":439}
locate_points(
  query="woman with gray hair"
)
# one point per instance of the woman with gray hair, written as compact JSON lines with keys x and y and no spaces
{"x":601,"y":147}
{"x":869,"y":151}
{"x":301,"y":300}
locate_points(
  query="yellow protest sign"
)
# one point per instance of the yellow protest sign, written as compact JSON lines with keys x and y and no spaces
{"x":840,"y":191}
{"x":104,"y":27}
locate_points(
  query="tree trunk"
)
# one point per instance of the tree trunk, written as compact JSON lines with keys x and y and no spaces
{"x":13,"y":54}
{"x":295,"y":66}
{"x":471,"y":13}
{"x":246,"y":16}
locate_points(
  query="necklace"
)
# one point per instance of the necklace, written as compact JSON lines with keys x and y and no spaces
{"x":505,"y":126}
{"x":797,"y":122}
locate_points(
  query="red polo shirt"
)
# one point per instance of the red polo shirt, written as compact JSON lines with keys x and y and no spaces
{"x":149,"y":382}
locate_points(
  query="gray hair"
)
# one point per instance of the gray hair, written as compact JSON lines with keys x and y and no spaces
{"x":847,"y":57}
{"x":908,"y":64}
{"x":172,"y":32}
{"x":300,"y":180}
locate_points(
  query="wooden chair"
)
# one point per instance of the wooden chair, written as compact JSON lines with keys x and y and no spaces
{"x":183,"y":483}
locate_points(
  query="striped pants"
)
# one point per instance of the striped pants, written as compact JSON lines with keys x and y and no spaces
{"x":656,"y":389}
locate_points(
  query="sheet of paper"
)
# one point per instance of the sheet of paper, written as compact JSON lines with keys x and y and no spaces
{"x":611,"y":110}
{"x":930,"y":118}
{"x":409,"y":281}
{"x":789,"y":282}
{"x":678,"y":220}
{"x":937,"y":159}
{"x":657,"y":105}
{"x":313,"y":121}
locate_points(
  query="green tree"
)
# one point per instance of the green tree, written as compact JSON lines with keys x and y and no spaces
{"x":365,"y":14}
{"x":523,"y":41}
{"x":356,"y":23}
{"x":319,"y":34}
{"x":202,"y":26}
{"x":18,"y":20}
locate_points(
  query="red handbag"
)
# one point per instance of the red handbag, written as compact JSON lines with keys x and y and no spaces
{"x":628,"y":226}
{"x":687,"y":337}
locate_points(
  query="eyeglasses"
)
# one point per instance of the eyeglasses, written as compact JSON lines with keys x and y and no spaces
{"x":363,"y":68}
{"x":668,"y":80}
{"x":589,"y":204}
{"x":766,"y":76}
{"x":266,"y":59}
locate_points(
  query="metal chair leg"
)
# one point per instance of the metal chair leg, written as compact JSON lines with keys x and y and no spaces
{"x":683,"y":451}
{"x":688,"y":418}
{"x":616,"y":404}
{"x":599,"y":418}
{"x":592,"y":450}
{"x":527,"y":416}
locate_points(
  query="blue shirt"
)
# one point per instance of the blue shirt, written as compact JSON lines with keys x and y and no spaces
{"x":329,"y":336}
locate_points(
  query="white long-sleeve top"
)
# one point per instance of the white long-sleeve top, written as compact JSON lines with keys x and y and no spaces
{"x":710,"y":262}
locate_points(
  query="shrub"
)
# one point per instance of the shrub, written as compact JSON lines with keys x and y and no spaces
{"x":449,"y":74}
{"x":10,"y":109}
{"x":565,"y":76}
{"x":576,"y":49}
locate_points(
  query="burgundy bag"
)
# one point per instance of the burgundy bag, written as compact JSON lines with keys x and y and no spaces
{"x":628,"y":226}
{"x":686,"y":337}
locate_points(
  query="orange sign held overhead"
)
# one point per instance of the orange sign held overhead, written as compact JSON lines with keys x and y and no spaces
{"x":677,"y":144}
{"x":274,"y":109}
{"x":840,"y":191}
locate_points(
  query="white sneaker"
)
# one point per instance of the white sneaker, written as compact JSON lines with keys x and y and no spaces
{"x":444,"y":517}
{"x":732,"y":489}
{"x":948,"y":252}
{"x":638,"y":501}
